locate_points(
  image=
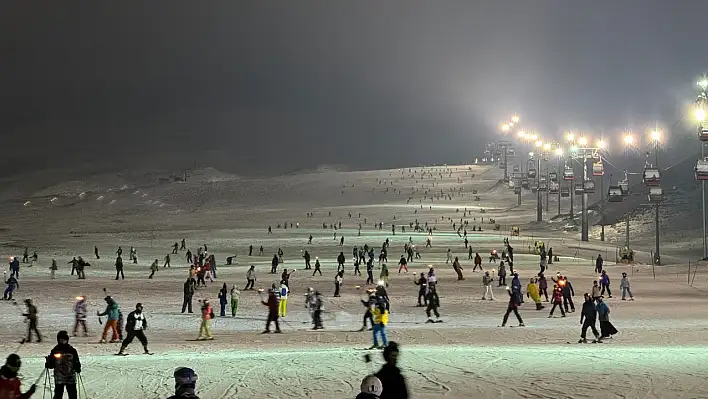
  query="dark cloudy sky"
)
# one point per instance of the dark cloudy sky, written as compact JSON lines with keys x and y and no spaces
{"x":282,"y":85}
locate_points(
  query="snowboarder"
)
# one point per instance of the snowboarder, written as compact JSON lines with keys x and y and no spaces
{"x":235,"y":293}
{"x":557,"y":300}
{"x":222,"y":300}
{"x":532,"y":292}
{"x":487,"y":282}
{"x":64,"y":360}
{"x":250,"y":277}
{"x":112,"y":313}
{"x":514,"y":302}
{"x":135,"y":327}
{"x":607,"y":330}
{"x":458,"y":269}
{"x":624,"y":286}
{"x":605,"y":284}
{"x":588,"y":316}
{"x":31,"y":317}
{"x":80,"y":315}
{"x":205,"y":326}
{"x":185,"y":383}
{"x":273,"y":305}
{"x":12,"y":284}
{"x":119,"y":268}
{"x":422,"y":282}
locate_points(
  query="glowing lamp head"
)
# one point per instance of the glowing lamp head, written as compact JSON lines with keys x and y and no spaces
{"x":583,"y":141}
{"x":559,"y":152}
{"x":700,"y":114}
{"x":601,"y":144}
{"x":656,"y":135}
{"x":547,"y":146}
{"x":570,"y":136}
{"x":515,"y":118}
{"x":80,"y":298}
{"x":703,"y":83}
{"x":561,"y":283}
{"x":505,"y":128}
{"x":539,"y":143}
{"x":57,"y":355}
{"x":628,"y":139}
{"x":533,"y":137}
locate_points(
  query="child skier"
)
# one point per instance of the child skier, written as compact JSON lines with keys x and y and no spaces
{"x":624,"y":286}
{"x":605,"y":284}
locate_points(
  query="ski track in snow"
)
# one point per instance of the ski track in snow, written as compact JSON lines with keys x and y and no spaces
{"x":659,"y":352}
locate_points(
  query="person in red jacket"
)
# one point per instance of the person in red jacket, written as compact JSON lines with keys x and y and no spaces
{"x":557,"y":300}
{"x":9,"y":383}
{"x":273,"y":304}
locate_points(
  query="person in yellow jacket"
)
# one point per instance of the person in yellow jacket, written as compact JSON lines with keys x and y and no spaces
{"x":532,"y":292}
{"x":380,"y":322}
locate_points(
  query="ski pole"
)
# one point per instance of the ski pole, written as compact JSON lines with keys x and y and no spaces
{"x":40,"y":377}
{"x":82,"y":386}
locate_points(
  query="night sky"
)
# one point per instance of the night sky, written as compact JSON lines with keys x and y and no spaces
{"x":276,"y":86}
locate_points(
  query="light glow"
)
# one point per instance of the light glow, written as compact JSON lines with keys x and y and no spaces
{"x":583,"y":141}
{"x":700,"y":114}
{"x":547,"y":146}
{"x":570,"y":136}
{"x":601,"y":144}
{"x":703,"y":83}
{"x":628,"y":139}
{"x":515,"y":119}
{"x":656,"y":135}
{"x":559,"y":152}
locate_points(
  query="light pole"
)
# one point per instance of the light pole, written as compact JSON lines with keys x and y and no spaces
{"x":628,"y":141}
{"x":701,"y":120}
{"x":571,"y":140}
{"x":585,"y":152}
{"x":559,"y":175}
{"x":656,"y":137}
{"x":601,"y":145}
{"x":539,"y":204}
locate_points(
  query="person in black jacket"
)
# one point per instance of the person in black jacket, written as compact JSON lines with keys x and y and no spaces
{"x":589,"y":314}
{"x":31,"y":317}
{"x":422,"y":282}
{"x":393,"y":382}
{"x":188,"y":294}
{"x":135,"y":327}
{"x":64,"y":360}
{"x":514,"y":302}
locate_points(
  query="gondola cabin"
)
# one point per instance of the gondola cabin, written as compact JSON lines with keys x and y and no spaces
{"x":589,"y":186}
{"x":656,"y":194}
{"x":525,"y":184}
{"x":565,"y":192}
{"x":579,"y":188}
{"x":652,"y":176}
{"x":702,"y":169}
{"x":624,"y":185}
{"x":703,"y":131}
{"x":553,"y":176}
{"x":614,"y":194}
{"x":568,"y":174}
{"x":531,"y":173}
{"x":554,"y":187}
{"x":598,"y":168}
{"x":542,"y":184}
{"x":515,"y":168}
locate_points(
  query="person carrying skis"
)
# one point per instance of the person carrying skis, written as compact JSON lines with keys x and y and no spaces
{"x":135,"y":327}
{"x":64,"y":360}
{"x":380,"y":321}
{"x":588,"y":316}
{"x":532,"y":292}
{"x":487,"y":282}
{"x":514,"y":302}
{"x":31,"y":317}
{"x":10,"y":383}
{"x":205,"y":326}
{"x":605,"y":284}
{"x":185,"y":383}
{"x":111,"y":313}
{"x":501,"y":273}
{"x":624,"y":286}
{"x":235,"y":293}
{"x":80,"y":315}
{"x":557,"y":300}
{"x":12,"y":285}
{"x":273,"y":305}
{"x":422,"y":282}
{"x":153,"y":268}
{"x":283,"y":304}
{"x":223,"y":292}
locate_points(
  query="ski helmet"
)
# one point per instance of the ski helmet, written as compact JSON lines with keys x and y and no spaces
{"x":185,"y":376}
{"x":371,"y":385}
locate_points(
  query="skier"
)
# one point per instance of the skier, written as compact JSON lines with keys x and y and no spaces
{"x":433,"y":303}
{"x":422,"y":282}
{"x":283,"y":304}
{"x":403,"y":264}
{"x":25,"y":256}
{"x":119,"y":267}
{"x":380,"y":314}
{"x":64,"y":360}
{"x":167,"y":261}
{"x":10,"y":383}
{"x":318,"y":307}
{"x":188,"y":291}
{"x":185,"y":383}
{"x":487,"y":281}
{"x":605,"y":284}
{"x":501,"y":273}
{"x":607,"y":330}
{"x":274,"y":264}
{"x":80,"y":315}
{"x":153,"y":268}
{"x":317,"y":267}
{"x":371,"y":388}
{"x":392,"y":382}
{"x":598,"y":264}
{"x":557,"y":300}
{"x":250,"y":277}
{"x":222,"y":300}
{"x":340,"y":261}
{"x":458,"y":269}
{"x":624,"y":286}
{"x":73,"y":264}
{"x":189,"y":256}
{"x":285,"y":277}
{"x":135,"y":327}
{"x":183,"y":245}
{"x":516,"y":285}
{"x":306,"y":256}
{"x":368,"y":313}
{"x":449,"y":256}
{"x":542,"y":286}
{"x":587,"y":318}
{"x":175,"y":246}
{"x":595,"y":293}
{"x":532,"y":292}
{"x":134,"y":253}
{"x":383,"y":276}
{"x":95,"y":252}
{"x":14,"y":267}
{"x":12,"y":284}
{"x":111,"y":313}
{"x":205,"y":326}
{"x":80,"y":265}
{"x":53,"y":269}
{"x":272,"y":311}
{"x":514,"y":302}
{"x":338,"y":282}
{"x":235,"y":293}
{"x":31,"y":317}
{"x":477,"y":261}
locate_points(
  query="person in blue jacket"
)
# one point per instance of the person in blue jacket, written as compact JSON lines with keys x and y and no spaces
{"x":12,"y":284}
{"x":605,"y":284}
{"x":14,"y":267}
{"x":603,"y":312}
{"x":516,"y":287}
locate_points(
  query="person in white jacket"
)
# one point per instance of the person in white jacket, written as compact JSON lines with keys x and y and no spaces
{"x":283,"y":306}
{"x":624,"y":286}
{"x":487,"y":281}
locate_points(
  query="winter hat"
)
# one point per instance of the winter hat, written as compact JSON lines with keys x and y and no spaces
{"x":185,"y":381}
{"x":13,"y":362}
{"x":62,"y":335}
{"x":371,"y":385}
